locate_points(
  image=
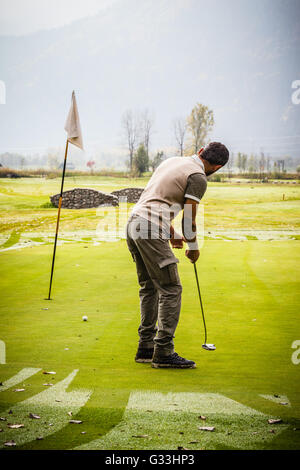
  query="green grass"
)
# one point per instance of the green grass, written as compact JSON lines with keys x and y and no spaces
{"x":251,"y":297}
{"x":25,"y":201}
{"x":252,"y":357}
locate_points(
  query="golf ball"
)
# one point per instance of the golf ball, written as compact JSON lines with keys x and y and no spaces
{"x":85,"y":318}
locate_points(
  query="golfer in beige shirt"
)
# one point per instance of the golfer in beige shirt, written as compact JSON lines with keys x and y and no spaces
{"x":177,"y":184}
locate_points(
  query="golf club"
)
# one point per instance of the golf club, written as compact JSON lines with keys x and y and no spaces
{"x":207,"y":346}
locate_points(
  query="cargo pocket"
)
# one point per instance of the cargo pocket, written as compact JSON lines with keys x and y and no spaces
{"x":169,"y":272}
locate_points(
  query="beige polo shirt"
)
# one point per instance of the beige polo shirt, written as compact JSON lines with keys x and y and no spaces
{"x":164,"y":196}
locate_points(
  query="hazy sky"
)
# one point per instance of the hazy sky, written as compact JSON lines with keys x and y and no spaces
{"x":19,"y":17}
{"x":241,"y":63}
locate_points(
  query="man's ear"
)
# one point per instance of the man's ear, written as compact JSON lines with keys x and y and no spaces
{"x":200,"y":151}
{"x":217,"y":167}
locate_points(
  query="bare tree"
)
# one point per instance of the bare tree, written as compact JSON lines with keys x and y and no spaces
{"x":146,"y":123}
{"x":179,"y":126}
{"x":280,"y":166}
{"x":230,"y":165}
{"x":262,"y":164}
{"x":131,"y":130}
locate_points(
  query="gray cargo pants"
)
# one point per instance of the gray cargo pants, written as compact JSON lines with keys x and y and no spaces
{"x":160,"y":287}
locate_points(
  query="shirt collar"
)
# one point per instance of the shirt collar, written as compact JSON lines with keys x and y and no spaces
{"x":197,"y":159}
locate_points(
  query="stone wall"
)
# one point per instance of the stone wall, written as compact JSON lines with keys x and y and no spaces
{"x":80,"y":198}
{"x":132,"y":194}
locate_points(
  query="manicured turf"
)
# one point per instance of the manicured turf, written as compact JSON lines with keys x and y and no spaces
{"x":227,"y":206}
{"x":250,"y":291}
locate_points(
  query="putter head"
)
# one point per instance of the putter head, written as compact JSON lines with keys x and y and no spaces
{"x":209,"y":346}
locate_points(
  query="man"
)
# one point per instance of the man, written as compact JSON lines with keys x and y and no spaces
{"x":178,"y":183}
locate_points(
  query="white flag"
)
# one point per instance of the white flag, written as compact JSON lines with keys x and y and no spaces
{"x":72,"y":126}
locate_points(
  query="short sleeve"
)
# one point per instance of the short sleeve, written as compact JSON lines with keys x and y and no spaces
{"x":196,"y":187}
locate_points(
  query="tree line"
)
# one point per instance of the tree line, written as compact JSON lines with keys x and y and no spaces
{"x":260,"y":164}
{"x":189,"y":134}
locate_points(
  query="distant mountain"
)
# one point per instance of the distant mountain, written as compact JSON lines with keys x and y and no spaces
{"x":239,"y":57}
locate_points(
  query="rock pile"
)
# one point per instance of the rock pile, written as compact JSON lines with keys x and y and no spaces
{"x":132,"y":194}
{"x":80,"y":198}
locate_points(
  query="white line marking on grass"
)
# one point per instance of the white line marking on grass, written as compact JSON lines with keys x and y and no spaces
{"x":52,"y":405}
{"x":2,"y":352}
{"x":280,"y":399}
{"x":169,"y":420}
{"x":19,"y":246}
{"x":295,"y":356}
{"x":191,"y":402}
{"x":19,"y":377}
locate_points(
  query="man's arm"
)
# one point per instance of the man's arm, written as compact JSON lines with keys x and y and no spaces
{"x":176,"y":239}
{"x":195,"y":189}
{"x":189,"y":229}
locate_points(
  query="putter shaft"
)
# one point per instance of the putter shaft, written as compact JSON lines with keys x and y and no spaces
{"x":200,"y":299}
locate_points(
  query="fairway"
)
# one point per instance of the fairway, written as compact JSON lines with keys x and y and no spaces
{"x":250,"y":289}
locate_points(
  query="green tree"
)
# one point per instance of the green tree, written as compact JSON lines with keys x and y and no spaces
{"x":252,"y":164}
{"x":141,"y":160}
{"x":157,"y":160}
{"x":244,"y":161}
{"x":199,"y":123}
{"x":239,"y":161}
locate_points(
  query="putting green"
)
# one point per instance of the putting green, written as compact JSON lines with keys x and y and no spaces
{"x":251,"y":296}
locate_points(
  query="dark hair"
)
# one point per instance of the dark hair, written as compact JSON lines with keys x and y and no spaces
{"x":216,"y":153}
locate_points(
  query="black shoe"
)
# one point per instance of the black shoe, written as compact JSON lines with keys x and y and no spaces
{"x":173,"y":361}
{"x":144,"y":355}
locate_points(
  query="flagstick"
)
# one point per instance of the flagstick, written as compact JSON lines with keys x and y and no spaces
{"x":58,"y":217}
